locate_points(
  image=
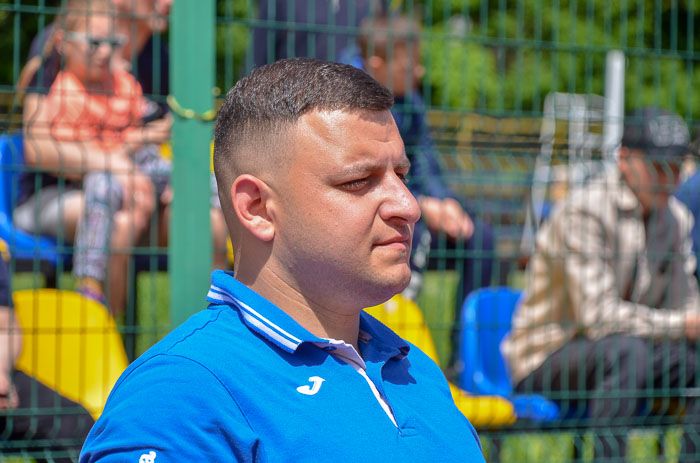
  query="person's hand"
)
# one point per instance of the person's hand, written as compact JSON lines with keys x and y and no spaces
{"x":692,"y":325}
{"x":167,"y":196}
{"x":10,"y":347}
{"x":446,"y":216}
{"x":154,"y":132}
{"x":157,"y":131}
{"x":8,"y":393}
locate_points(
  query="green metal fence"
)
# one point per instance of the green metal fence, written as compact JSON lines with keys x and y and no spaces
{"x":522,"y":100}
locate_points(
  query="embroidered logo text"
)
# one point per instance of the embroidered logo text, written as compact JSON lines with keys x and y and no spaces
{"x":314,"y":388}
{"x":148,"y":457}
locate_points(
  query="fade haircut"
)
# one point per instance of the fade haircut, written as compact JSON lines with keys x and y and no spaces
{"x":261,"y":108}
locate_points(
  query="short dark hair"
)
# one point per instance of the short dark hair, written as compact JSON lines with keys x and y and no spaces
{"x":273,"y":97}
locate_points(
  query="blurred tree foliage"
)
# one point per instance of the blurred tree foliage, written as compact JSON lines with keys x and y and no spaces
{"x":17,"y":29}
{"x":499,"y":56}
{"x":232,"y":39}
{"x":505,"y":56}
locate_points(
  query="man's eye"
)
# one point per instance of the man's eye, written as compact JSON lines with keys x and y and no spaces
{"x":355,"y":185}
{"x":402,"y":176}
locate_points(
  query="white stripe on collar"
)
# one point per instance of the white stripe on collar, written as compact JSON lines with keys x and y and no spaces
{"x":273,"y":331}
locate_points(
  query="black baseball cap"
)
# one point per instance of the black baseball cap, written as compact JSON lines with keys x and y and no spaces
{"x":660,"y":134}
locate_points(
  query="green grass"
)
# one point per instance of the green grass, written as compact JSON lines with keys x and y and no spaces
{"x":152,"y":309}
{"x":437,"y":301}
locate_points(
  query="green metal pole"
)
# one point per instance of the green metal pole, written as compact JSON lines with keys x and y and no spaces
{"x":192,"y":80}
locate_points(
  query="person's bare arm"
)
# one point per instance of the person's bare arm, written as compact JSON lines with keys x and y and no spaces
{"x":69,"y":159}
{"x":73,"y":159}
{"x":10,"y":348}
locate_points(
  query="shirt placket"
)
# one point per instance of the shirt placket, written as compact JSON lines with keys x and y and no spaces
{"x":371,"y":373}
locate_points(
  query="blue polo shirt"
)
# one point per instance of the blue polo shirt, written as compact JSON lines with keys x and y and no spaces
{"x":242,"y":381}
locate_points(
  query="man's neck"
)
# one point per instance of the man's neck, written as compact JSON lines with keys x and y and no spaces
{"x":318,"y":319}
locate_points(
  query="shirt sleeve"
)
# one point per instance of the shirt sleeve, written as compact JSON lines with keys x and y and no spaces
{"x":591,"y":282}
{"x":171,"y":409}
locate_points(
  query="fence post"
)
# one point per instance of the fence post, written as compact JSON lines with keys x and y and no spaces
{"x":192,"y":80}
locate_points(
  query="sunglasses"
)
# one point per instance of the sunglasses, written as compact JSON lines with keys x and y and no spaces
{"x":95,"y":41}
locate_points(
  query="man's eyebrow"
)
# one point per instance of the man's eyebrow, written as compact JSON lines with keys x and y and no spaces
{"x":365,"y":167}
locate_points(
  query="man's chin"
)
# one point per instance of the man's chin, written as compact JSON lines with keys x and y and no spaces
{"x":392,"y":285}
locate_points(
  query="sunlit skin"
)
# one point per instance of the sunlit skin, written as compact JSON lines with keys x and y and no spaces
{"x":91,"y":65}
{"x":652,"y":181}
{"x":334,"y":221}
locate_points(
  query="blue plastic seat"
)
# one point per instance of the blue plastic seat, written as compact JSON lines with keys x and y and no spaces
{"x":486,"y":319}
{"x":23,"y":246}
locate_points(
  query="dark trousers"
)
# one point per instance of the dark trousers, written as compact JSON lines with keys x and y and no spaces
{"x":615,"y":382}
{"x":44,"y":423}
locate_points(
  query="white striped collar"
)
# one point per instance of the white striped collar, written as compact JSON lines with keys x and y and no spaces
{"x":274,"y":324}
{"x":265,"y":318}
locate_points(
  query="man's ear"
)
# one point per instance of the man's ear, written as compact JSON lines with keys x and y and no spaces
{"x":250,"y":196}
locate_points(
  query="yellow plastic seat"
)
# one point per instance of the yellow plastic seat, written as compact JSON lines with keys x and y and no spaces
{"x":404,"y":317}
{"x":70,"y":344}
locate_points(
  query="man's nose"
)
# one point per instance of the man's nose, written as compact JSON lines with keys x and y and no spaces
{"x":399,"y":202}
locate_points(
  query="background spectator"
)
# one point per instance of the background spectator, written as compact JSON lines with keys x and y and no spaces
{"x":83,"y":133}
{"x":95,"y":121}
{"x":612,"y":306}
{"x":19,"y":392}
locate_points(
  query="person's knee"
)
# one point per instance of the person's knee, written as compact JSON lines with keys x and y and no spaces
{"x":632,"y":356}
{"x":103,"y":187}
{"x":633,"y":347}
{"x":128,"y":227}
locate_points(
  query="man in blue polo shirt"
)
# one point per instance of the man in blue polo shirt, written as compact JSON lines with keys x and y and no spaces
{"x":284,"y":365}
